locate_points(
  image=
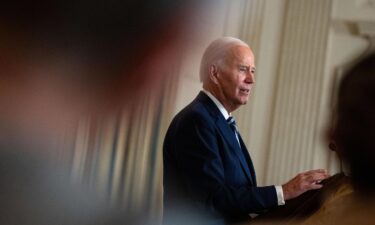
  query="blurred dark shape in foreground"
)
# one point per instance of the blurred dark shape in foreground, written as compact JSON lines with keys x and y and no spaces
{"x":59,"y":61}
{"x":354,"y":131}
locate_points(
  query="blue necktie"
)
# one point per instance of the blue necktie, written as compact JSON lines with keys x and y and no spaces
{"x":233,"y":126}
{"x":242,"y":155}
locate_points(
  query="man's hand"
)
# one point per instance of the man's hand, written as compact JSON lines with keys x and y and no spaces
{"x":304,"y":182}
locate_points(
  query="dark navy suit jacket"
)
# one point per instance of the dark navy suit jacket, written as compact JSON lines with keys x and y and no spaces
{"x":208,"y":178}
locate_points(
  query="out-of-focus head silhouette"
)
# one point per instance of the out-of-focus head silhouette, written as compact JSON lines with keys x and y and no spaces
{"x":61,"y":60}
{"x":92,"y":55}
{"x":354,"y":131}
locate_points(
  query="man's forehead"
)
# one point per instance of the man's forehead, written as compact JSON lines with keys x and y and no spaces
{"x":241,"y":54}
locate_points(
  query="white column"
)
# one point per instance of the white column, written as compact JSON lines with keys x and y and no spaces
{"x":294,"y":134}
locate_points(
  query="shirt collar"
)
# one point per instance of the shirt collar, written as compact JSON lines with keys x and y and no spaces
{"x":218,"y":104}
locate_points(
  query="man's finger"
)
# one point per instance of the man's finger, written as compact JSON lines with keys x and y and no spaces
{"x":314,"y":178}
{"x":315,"y":186}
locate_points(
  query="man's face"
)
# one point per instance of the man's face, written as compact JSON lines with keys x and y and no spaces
{"x":236,"y":77}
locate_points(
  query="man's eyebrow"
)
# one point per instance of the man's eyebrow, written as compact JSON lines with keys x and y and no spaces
{"x":248,"y":67}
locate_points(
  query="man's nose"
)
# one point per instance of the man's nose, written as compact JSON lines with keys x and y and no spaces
{"x":250,"y":78}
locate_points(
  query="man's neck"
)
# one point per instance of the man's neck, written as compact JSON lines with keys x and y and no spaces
{"x":219,"y":105}
{"x":219,"y":96}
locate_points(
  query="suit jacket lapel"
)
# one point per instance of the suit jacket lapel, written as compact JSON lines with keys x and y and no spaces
{"x":231,"y":139}
{"x":229,"y":136}
{"x":249,"y":161}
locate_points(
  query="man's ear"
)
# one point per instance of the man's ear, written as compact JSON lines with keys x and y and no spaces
{"x":214,"y":74}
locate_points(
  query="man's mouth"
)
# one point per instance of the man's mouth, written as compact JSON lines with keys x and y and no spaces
{"x":245,"y":91}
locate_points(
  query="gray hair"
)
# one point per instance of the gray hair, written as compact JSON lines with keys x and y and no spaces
{"x":216,"y":52}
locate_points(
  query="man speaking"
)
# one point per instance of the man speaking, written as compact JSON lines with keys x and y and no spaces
{"x":209,"y":177}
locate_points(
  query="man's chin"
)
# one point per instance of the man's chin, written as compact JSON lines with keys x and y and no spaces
{"x":244,"y":101}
